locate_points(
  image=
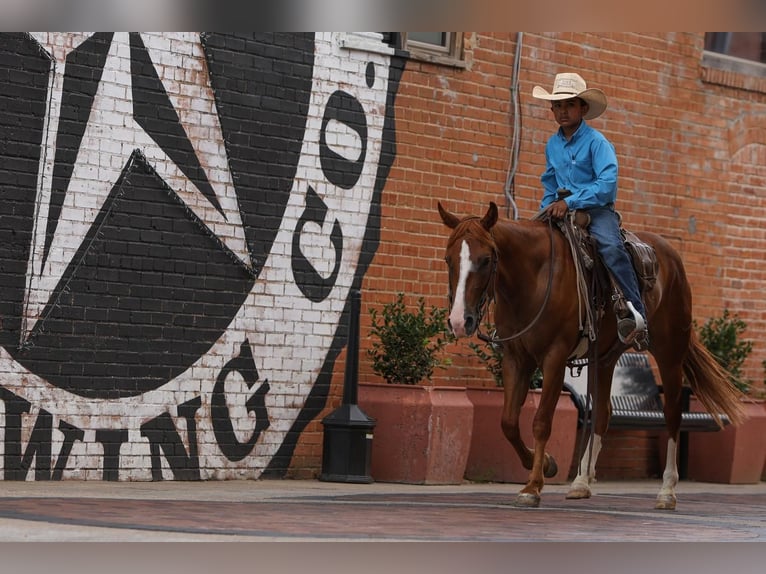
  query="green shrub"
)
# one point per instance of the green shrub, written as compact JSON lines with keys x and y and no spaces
{"x":721,"y":336}
{"x":408,"y":343}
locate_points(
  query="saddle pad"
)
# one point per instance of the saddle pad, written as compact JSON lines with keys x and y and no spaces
{"x":644,"y":260}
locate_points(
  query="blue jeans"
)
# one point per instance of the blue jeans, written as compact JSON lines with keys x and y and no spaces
{"x":605,"y":229}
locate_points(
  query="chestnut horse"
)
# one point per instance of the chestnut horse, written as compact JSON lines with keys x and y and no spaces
{"x":527,"y":268}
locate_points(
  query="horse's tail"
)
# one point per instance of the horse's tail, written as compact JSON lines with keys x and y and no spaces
{"x":711,"y":384}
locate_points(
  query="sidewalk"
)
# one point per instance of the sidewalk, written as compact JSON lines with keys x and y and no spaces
{"x":310,"y":510}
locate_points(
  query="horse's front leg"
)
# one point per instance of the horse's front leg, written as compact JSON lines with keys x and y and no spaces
{"x":517,"y":373}
{"x":516,"y":389}
{"x":543,"y":465}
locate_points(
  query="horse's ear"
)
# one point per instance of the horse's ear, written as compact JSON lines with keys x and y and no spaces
{"x":490,"y":218}
{"x":449,"y":220}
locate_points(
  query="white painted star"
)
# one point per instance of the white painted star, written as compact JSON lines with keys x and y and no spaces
{"x":111,"y":136}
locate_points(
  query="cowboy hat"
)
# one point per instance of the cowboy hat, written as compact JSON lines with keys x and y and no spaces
{"x":570,"y":85}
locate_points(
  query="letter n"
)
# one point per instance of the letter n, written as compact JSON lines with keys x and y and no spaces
{"x":162,"y":434}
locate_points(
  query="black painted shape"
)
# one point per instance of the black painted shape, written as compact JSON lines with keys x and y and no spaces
{"x":262,"y":83}
{"x":15,"y":406}
{"x":39,"y":446}
{"x":71,"y":434}
{"x":162,"y":434}
{"x":346,"y":109}
{"x":82,"y":74}
{"x":148,"y":292}
{"x":16,"y":466}
{"x":112,"y":440}
{"x":219,"y":411}
{"x":315,"y":287}
{"x":24,"y":69}
{"x":155,"y":113}
{"x":317,"y":398}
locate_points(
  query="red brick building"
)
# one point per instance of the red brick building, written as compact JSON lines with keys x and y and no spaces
{"x":184,"y":214}
{"x":687,"y":125}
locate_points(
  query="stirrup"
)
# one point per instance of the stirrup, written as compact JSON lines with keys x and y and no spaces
{"x":629,"y":328}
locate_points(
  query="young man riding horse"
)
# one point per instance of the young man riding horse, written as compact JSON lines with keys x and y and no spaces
{"x":581,"y":174}
{"x":527,"y":272}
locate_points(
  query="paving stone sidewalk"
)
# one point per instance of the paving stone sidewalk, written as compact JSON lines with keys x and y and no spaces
{"x":287,"y":510}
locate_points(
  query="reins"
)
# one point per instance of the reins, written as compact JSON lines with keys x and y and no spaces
{"x":493,"y":340}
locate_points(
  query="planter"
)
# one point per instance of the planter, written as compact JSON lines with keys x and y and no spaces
{"x":734,"y":455}
{"x":422,"y":434}
{"x":763,"y":471}
{"x":493,"y":459}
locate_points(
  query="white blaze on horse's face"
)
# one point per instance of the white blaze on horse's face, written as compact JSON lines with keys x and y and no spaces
{"x":457,"y":314}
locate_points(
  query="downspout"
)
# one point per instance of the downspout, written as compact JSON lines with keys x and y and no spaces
{"x":510,"y":190}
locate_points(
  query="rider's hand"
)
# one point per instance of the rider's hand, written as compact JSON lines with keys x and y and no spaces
{"x":557,"y":210}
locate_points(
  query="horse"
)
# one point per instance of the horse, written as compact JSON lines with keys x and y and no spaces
{"x":527,"y":268}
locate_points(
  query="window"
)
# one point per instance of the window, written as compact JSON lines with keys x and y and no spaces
{"x":745,"y":45}
{"x":735,"y":59}
{"x":437,"y":47}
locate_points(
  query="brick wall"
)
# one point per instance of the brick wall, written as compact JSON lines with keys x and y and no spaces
{"x":690,"y":143}
{"x":182,"y":218}
{"x":183,"y":215}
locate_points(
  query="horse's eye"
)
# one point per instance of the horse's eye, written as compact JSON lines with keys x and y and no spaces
{"x":483,"y":262}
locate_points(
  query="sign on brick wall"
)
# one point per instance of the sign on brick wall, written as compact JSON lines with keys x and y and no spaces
{"x":182,"y":217}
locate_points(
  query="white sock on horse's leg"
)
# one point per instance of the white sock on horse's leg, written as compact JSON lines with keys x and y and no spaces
{"x":666,"y":498}
{"x":586,"y":472}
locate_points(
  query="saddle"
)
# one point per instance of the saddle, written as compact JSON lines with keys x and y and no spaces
{"x":595,"y":283}
{"x":641,"y":254}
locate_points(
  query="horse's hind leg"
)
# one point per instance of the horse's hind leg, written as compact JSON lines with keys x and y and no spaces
{"x":671,"y":374}
{"x":586,"y":471}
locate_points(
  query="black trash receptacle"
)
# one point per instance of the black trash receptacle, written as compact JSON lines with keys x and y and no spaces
{"x":347,"y":445}
{"x":347,"y":442}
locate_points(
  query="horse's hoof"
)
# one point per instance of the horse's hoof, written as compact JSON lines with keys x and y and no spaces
{"x":578,"y":492}
{"x":526,"y":500}
{"x":552,"y":469}
{"x":665,"y":502}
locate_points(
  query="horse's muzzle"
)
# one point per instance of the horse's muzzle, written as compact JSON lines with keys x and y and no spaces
{"x":464,"y":327}
{"x":470,"y":324}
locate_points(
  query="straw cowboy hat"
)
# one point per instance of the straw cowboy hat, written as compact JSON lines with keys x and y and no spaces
{"x":571,"y":85}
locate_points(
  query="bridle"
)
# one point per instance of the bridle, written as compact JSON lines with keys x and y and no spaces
{"x":485,"y":296}
{"x":484,"y":302}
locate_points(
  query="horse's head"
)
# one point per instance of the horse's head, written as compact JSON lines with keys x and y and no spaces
{"x":471,"y":259}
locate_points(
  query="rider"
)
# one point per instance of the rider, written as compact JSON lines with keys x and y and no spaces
{"x":581,"y":173}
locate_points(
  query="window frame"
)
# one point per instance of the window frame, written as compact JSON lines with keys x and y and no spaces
{"x":732,"y":71}
{"x":730,"y":38}
{"x":452,"y":53}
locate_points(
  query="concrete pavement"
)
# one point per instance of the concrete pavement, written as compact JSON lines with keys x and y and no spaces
{"x":310,"y":510}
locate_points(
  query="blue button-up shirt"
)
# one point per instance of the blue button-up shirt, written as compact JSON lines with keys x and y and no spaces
{"x":586,"y":165}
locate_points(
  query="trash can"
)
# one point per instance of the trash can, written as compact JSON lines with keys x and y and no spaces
{"x":347,"y":445}
{"x":347,"y":441}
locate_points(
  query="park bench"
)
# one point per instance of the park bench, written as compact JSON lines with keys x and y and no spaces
{"x":636,"y":401}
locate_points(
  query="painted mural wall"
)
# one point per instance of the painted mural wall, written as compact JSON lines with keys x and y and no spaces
{"x":182,"y":218}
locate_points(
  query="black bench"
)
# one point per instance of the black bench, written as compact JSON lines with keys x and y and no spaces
{"x":636,"y":401}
